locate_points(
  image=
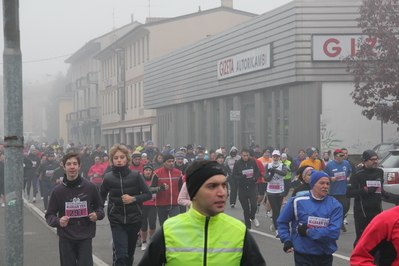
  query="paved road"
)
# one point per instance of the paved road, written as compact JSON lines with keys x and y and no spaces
{"x":41,"y":243}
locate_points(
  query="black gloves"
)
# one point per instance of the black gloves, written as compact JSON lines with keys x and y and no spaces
{"x":271,"y":170}
{"x":162,"y":187}
{"x":302,"y":230}
{"x":287,"y":245}
{"x":371,"y":190}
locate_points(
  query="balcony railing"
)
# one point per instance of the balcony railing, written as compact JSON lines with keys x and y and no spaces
{"x":81,"y":83}
{"x":92,"y":77}
{"x":89,"y":114}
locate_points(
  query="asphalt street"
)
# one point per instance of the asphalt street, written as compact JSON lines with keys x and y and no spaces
{"x":41,"y":242}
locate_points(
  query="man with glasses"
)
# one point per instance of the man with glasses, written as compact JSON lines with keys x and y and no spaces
{"x":339,"y":172}
{"x":366,"y":186}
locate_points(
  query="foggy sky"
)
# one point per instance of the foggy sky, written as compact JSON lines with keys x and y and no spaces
{"x":52,"y":29}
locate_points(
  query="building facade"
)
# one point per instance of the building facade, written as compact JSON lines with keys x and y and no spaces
{"x":124,"y":117}
{"x":275,"y":80}
{"x":82,"y":92}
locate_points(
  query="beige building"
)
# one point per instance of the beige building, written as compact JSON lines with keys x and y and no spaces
{"x":80,"y":105}
{"x":124,"y":118}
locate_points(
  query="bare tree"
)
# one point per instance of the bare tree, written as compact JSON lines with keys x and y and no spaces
{"x":375,"y":66}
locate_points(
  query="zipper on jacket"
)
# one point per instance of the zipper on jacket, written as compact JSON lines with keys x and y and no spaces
{"x":124,"y":207}
{"x":206,"y":240}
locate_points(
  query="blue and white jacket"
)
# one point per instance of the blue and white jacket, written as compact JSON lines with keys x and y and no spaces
{"x":323,"y":217}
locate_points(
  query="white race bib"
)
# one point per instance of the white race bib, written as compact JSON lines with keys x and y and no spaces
{"x":76,"y":209}
{"x":317,"y":222}
{"x":374,"y":183}
{"x":249,"y":173}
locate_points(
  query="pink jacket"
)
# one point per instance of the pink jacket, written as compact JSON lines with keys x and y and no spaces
{"x":96,"y":178}
{"x":184,"y":198}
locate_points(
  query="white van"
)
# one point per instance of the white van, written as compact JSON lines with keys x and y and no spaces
{"x":31,"y":136}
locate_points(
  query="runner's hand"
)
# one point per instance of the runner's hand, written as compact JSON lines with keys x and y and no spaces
{"x":93,"y":217}
{"x":64,"y":221}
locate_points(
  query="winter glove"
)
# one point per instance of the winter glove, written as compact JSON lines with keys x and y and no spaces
{"x":162,"y":187}
{"x":287,"y":245}
{"x":370,"y":190}
{"x":302,"y":230}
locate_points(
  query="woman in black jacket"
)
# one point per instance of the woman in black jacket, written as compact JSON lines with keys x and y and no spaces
{"x":126,"y":190}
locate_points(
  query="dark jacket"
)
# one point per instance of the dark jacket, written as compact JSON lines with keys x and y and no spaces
{"x":151,"y":153}
{"x":77,"y":228}
{"x":366,"y":204}
{"x":47,"y":169}
{"x":27,"y":166}
{"x":245,"y":180}
{"x":31,"y":171}
{"x":117,"y":184}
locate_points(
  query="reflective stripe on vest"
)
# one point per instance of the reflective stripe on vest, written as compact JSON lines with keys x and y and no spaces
{"x":186,"y":234}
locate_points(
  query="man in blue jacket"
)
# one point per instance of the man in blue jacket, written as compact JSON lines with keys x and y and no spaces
{"x":315,"y":224}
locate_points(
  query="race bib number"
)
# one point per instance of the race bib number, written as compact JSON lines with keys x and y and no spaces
{"x":76,"y":209}
{"x":95,"y":175}
{"x":317,"y":222}
{"x":249,"y":173}
{"x":49,"y":173}
{"x":340,"y":176}
{"x":274,"y":186}
{"x":374,"y":183}
{"x":34,"y":163}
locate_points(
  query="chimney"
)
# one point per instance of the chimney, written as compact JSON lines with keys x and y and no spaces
{"x":227,"y":3}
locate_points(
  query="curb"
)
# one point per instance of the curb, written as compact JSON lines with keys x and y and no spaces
{"x":39,"y":214}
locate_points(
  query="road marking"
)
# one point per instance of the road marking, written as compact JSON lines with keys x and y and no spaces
{"x":274,"y":237}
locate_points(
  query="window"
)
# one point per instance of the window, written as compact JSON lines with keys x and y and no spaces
{"x":139,"y":97}
{"x":131,"y":97}
{"x":143,"y":52}
{"x":135,"y":95}
{"x":148,"y":47}
{"x":134,"y":49}
{"x":131,"y":56}
{"x":138,"y":52}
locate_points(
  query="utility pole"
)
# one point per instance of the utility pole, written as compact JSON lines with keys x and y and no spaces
{"x":13,"y":135}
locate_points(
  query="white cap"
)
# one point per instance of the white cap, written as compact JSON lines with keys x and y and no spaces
{"x":276,"y":152}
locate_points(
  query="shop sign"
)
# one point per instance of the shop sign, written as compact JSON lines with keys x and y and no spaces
{"x":337,"y":47}
{"x":249,"y":61}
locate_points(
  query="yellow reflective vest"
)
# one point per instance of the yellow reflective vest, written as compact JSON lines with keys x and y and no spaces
{"x":192,"y":239}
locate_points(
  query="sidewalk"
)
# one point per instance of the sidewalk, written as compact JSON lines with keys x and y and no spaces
{"x":40,"y":242}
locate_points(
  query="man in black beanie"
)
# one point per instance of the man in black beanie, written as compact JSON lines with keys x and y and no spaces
{"x":366,"y":186}
{"x":181,"y":236}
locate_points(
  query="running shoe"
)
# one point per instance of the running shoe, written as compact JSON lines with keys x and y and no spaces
{"x":343,"y":228}
{"x":256,"y":222}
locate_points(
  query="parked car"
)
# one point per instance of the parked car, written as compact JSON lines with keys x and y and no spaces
{"x":383,"y":149}
{"x":390,"y":166}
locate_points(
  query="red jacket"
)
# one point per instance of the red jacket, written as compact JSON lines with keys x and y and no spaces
{"x":261,"y":170}
{"x":96,"y":178}
{"x":150,"y":202}
{"x":383,"y":229}
{"x":171,"y":178}
{"x":137,"y":168}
